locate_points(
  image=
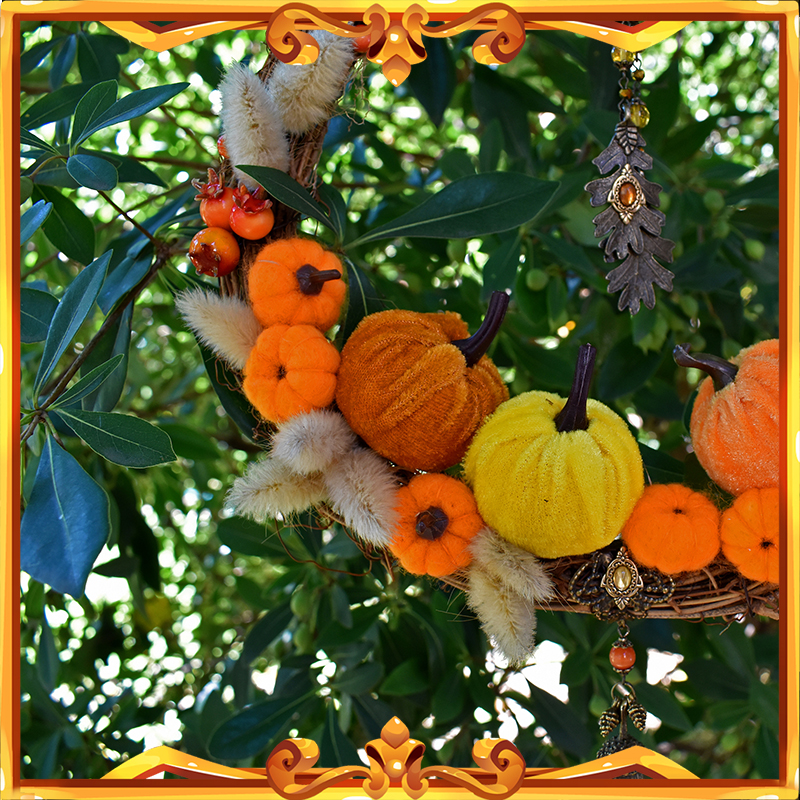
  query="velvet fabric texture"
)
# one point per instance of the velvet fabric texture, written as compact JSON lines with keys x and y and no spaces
{"x":750,"y":534}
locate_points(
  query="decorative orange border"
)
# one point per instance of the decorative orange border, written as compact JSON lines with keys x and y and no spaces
{"x":592,"y":18}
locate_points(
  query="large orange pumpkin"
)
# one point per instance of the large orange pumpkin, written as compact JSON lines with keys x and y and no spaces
{"x":750,"y":538}
{"x":291,"y":370}
{"x":296,"y":282}
{"x":415,"y":388}
{"x":735,"y":419}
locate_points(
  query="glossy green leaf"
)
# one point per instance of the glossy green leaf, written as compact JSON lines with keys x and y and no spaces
{"x":121,"y":438}
{"x":34,"y":56}
{"x":92,"y":172}
{"x":358,"y":680}
{"x":67,"y":227}
{"x":335,"y":749}
{"x":35,"y":313}
{"x":625,"y":369}
{"x":97,"y":60}
{"x":116,"y":341}
{"x":456,"y":163}
{"x":54,"y":106}
{"x":135,"y":104}
{"x":341,"y":606}
{"x":88,"y":383}
{"x":47,"y":661}
{"x":191,"y":443}
{"x":125,"y":275}
{"x":248,"y":538}
{"x":288,"y":191}
{"x":268,"y":628}
{"x":492,"y":144}
{"x":65,"y":523}
{"x":476,"y":205}
{"x":362,"y":300}
{"x":33,"y":219}
{"x":334,"y":203}
{"x":28,"y":139}
{"x":91,"y":106}
{"x":73,"y":309}
{"x":562,"y":723}
{"x":406,"y":678}
{"x":62,"y":62}
{"x":662,"y":703}
{"x":434,"y":80}
{"x":661,"y":467}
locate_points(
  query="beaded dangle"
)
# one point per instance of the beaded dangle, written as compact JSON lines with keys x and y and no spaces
{"x":632,"y":220}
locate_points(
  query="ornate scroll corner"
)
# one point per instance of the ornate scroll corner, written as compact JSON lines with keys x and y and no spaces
{"x":502,"y":45}
{"x":502,"y":759}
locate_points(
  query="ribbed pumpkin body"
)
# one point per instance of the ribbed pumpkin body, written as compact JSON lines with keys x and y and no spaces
{"x":750,"y":534}
{"x":554,"y":494}
{"x":409,"y":393}
{"x":735,"y":431}
{"x":291,"y":370}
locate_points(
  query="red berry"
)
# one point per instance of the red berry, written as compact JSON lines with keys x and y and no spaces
{"x":216,"y":201}
{"x":251,"y":217}
{"x":214,"y":252}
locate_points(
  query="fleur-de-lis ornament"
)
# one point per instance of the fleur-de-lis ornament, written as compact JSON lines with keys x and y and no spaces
{"x":632,"y":222}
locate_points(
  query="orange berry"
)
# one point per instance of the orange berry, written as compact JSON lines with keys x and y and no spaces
{"x":214,"y":252}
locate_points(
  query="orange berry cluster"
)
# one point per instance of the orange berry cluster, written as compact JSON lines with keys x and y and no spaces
{"x":215,"y":251}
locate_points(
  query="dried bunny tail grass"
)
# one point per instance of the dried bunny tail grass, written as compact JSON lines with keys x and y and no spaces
{"x":226,"y":324}
{"x":312,"y":442}
{"x":506,"y":617}
{"x":362,"y":488}
{"x":252,"y":124}
{"x":516,"y":568}
{"x":305,"y":94}
{"x":269,"y":488}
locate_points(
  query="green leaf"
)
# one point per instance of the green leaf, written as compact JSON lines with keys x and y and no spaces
{"x":406,"y":678}
{"x":34,"y":56}
{"x":268,"y":628}
{"x":358,"y":680}
{"x":625,"y":369}
{"x":33,"y":219}
{"x":567,"y":730}
{"x":248,"y":538}
{"x":88,"y":383}
{"x":67,"y":227}
{"x":35,"y":314}
{"x":434,"y":80}
{"x":362,"y":300}
{"x":115,"y":341}
{"x":47,"y":660}
{"x":96,"y":59}
{"x":661,"y":467}
{"x":125,"y":275}
{"x":62,"y":62}
{"x":712,"y":678}
{"x":65,"y":523}
{"x":245,"y":734}
{"x":492,"y":143}
{"x":683,"y":144}
{"x":341,"y":606}
{"x":500,"y":271}
{"x":191,"y":443}
{"x":335,"y":749}
{"x":75,"y":305}
{"x":475,"y":205}
{"x":54,"y":106}
{"x":123,"y":439}
{"x":91,"y":106}
{"x":135,"y":104}
{"x":763,"y":190}
{"x":337,"y":210}
{"x":288,"y":191}
{"x":92,"y":172}
{"x":662,"y":703}
{"x":29,"y":139}
{"x":456,"y":163}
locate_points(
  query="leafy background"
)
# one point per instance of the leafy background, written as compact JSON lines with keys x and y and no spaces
{"x":148,"y":613}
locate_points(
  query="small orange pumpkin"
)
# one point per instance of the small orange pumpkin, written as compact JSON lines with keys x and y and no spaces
{"x":291,"y":370}
{"x":735,"y":418}
{"x":750,"y":534}
{"x":296,"y":282}
{"x":437,"y":519}
{"x":415,"y":388}
{"x":672,"y":529}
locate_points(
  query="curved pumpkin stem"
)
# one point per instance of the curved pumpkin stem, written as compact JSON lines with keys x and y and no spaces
{"x":475,"y":347}
{"x":312,"y":279}
{"x":722,"y":372}
{"x":573,"y":416}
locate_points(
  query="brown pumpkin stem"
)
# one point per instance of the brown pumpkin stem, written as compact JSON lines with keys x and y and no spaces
{"x":573,"y":416}
{"x":476,"y":346}
{"x":432,"y":523}
{"x":311,"y":279}
{"x":722,"y":372}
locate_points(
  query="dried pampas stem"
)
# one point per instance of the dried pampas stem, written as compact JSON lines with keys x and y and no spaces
{"x":252,"y":124}
{"x":269,"y":488}
{"x":226,"y":324}
{"x":516,"y":568}
{"x":362,"y":488}
{"x":312,"y":442}
{"x":506,"y":617}
{"x":305,"y":94}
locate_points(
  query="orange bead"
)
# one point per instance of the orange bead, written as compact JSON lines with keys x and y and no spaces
{"x":622,"y":658}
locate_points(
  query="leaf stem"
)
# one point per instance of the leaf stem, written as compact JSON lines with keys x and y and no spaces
{"x":130,"y":219}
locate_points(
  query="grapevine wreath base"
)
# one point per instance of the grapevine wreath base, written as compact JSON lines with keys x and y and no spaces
{"x":404,"y":508}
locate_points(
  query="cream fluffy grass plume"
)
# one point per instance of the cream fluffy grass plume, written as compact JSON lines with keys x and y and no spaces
{"x":305,"y":94}
{"x":252,"y":124}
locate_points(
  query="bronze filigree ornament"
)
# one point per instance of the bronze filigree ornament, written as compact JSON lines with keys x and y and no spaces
{"x":632,"y":224}
{"x":615,"y":588}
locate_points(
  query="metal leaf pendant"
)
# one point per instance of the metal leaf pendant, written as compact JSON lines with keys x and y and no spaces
{"x":632,"y":222}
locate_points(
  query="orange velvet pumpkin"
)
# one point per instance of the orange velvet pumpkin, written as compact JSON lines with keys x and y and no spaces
{"x":672,"y":529}
{"x":437,"y":519}
{"x":291,"y":370}
{"x":415,"y":389}
{"x":296,"y":282}
{"x":735,"y":418}
{"x":750,"y":534}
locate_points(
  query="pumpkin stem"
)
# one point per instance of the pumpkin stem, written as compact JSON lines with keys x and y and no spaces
{"x":475,"y":347}
{"x":432,"y":523}
{"x":573,"y":416}
{"x":312,"y":279}
{"x":722,"y":372}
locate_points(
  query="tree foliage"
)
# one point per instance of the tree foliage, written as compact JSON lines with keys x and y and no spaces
{"x":148,"y":609}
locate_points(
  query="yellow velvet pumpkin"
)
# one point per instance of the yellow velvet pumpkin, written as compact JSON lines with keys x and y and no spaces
{"x":556,"y":477}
